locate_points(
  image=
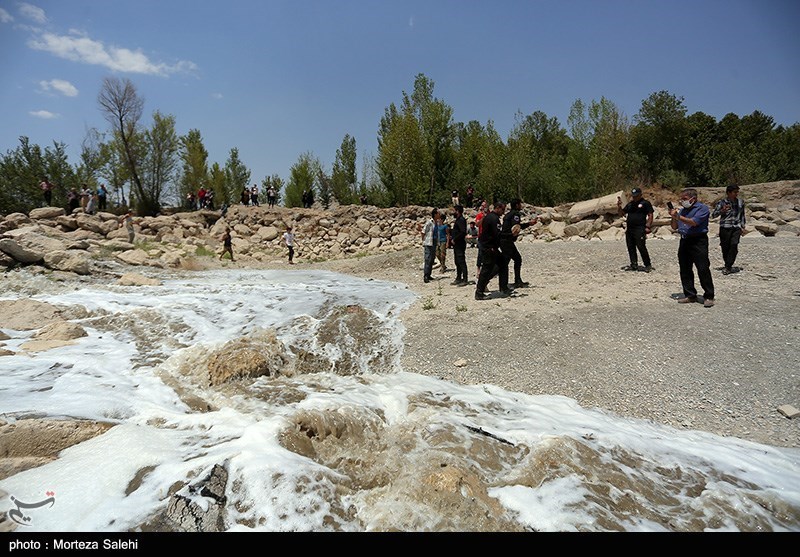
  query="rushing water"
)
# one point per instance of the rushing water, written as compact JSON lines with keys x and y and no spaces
{"x":339,"y":437}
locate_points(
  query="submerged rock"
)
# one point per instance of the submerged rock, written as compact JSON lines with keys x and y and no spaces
{"x":252,"y":356}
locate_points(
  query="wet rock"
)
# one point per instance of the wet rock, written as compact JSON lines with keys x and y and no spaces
{"x":252,"y":356}
{"x":135,"y":279}
{"x":29,"y":443}
{"x":25,"y":315}
{"x":61,"y":330}
{"x":199,"y":507}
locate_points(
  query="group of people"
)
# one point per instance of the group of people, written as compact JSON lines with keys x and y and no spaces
{"x":497,"y":231}
{"x":90,"y":201}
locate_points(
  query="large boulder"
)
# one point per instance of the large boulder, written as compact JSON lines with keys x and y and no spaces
{"x":25,"y":315}
{"x":135,"y":279}
{"x":19,"y":253}
{"x":72,"y":261}
{"x":47,"y":213}
{"x":133,"y":257}
{"x":599,"y":206}
{"x":767,"y":228}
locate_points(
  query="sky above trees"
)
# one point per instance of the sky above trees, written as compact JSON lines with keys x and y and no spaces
{"x":277,"y":79}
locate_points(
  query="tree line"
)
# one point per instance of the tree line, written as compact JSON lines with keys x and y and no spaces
{"x":423,"y":155}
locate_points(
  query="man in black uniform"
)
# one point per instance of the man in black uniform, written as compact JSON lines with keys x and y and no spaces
{"x":459,"y":239}
{"x":493,"y":260}
{"x":512,"y":226}
{"x":640,"y":219}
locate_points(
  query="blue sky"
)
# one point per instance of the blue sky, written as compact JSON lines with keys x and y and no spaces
{"x":279,"y":78}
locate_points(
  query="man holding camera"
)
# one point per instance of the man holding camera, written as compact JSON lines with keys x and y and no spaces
{"x":640,"y":220}
{"x":692,"y":223}
{"x":731,"y":226}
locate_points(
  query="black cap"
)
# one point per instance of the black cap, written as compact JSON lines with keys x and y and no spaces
{"x":636,"y":191}
{"x":732,"y":187}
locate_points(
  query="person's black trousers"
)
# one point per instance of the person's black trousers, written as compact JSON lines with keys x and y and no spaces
{"x":729,"y":242}
{"x":460,"y":259}
{"x":693,"y":251}
{"x":636,"y":238}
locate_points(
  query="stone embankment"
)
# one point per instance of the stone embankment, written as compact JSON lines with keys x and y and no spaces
{"x":74,"y":242}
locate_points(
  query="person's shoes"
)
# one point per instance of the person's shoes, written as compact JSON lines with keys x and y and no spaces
{"x":505,"y":292}
{"x":630,"y":268}
{"x":481,"y":296}
{"x":455,"y":283}
{"x":727,"y":271}
{"x":463,"y":283}
{"x":426,"y":279}
{"x":521,"y":284}
{"x":708,"y":303}
{"x":687,"y":300}
{"x":648,"y":268}
{"x":735,"y":269}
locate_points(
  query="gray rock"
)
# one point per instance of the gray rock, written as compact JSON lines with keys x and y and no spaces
{"x":186,"y":514}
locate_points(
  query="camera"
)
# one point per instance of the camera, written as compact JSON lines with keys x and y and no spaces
{"x":670,"y":206}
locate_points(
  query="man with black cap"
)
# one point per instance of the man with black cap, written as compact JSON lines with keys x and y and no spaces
{"x":640,"y":219}
{"x":731,"y":226}
{"x":459,"y":239}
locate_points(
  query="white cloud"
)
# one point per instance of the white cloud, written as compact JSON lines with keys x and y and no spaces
{"x":80,"y":48}
{"x":216,"y":95}
{"x":64,"y":87}
{"x":32,"y":12}
{"x":5,"y":17}
{"x":43,"y":114}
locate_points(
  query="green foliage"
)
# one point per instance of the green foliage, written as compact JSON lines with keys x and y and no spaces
{"x":195,"y":173}
{"x":460,"y":308}
{"x":23,"y":169}
{"x":428,"y":303}
{"x":276,"y":182}
{"x":202,"y":251}
{"x":237,"y":177}
{"x":343,"y":177}
{"x":303,"y":174}
{"x":160,"y":160}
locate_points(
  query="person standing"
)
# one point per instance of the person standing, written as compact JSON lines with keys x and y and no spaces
{"x":271,"y":197}
{"x":459,"y":241}
{"x":254,"y":195}
{"x":245,"y":196}
{"x":731,"y":226}
{"x":127,"y":221}
{"x":227,"y":244}
{"x":483,"y":210}
{"x":512,"y":226}
{"x":91,"y":206}
{"x":692,"y":223}
{"x":47,"y":191}
{"x":73,"y":200}
{"x":493,"y":259}
{"x":470,"y":197}
{"x":102,"y":197}
{"x":429,"y":245}
{"x":288,"y":240}
{"x":639,"y":223}
{"x":454,"y":198}
{"x":86,"y":194}
{"x":442,"y":241}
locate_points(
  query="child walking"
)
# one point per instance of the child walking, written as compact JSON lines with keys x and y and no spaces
{"x":288,"y":239}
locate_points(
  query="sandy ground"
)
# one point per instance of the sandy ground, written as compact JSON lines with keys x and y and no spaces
{"x":617,"y":340}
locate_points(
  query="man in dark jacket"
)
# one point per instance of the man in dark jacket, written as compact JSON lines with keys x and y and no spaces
{"x":512,"y":226}
{"x":493,"y":259}
{"x":640,"y":219}
{"x":458,"y":237}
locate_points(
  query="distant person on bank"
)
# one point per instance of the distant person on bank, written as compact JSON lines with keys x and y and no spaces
{"x":638,"y":226}
{"x":429,"y":245}
{"x":691,"y":220}
{"x":731,"y":226}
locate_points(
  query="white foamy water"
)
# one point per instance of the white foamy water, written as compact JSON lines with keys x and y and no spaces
{"x":370,"y":448}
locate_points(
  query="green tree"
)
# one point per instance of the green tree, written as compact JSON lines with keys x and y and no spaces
{"x":160,"y":160}
{"x":237,"y":177}
{"x":608,"y":164}
{"x":659,"y":136}
{"x":302,"y":176}
{"x":402,"y":156}
{"x":22,"y":170}
{"x":343,"y":176}
{"x":702,"y":138}
{"x":194,"y":157}
{"x":217,"y":182}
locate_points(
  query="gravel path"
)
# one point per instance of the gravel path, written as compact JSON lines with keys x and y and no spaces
{"x":616,"y":340}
